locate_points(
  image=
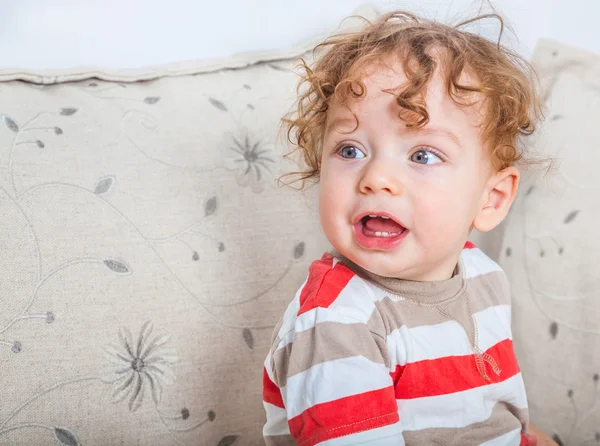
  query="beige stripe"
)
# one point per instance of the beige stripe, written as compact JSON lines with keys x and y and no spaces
{"x":326,"y":342}
{"x":504,"y":418}
{"x":484,"y":291}
{"x":280,"y":440}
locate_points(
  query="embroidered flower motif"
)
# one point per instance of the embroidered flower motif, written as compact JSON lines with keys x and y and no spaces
{"x":250,"y":162}
{"x":140,"y":365}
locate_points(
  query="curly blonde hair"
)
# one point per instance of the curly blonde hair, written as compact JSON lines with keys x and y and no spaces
{"x":504,"y":80}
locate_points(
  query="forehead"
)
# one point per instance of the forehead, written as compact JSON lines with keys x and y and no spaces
{"x":385,"y":80}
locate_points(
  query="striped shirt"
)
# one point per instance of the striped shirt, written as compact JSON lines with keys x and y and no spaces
{"x":361,"y":359}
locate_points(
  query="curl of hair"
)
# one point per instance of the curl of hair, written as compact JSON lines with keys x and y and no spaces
{"x":504,"y":82}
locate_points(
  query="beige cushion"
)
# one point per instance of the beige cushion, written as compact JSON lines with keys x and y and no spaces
{"x":550,"y":253}
{"x":142,"y":230}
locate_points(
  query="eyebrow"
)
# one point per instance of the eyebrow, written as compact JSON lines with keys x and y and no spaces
{"x":428,"y":131}
{"x":433,"y":131}
{"x":338,"y":121}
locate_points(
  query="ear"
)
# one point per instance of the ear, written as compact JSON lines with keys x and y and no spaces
{"x":497,"y":199}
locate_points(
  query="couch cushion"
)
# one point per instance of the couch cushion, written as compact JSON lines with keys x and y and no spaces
{"x":550,"y":253}
{"x":146,"y":254}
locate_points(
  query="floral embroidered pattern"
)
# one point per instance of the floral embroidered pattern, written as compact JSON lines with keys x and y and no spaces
{"x":250,"y":162}
{"x":141,"y":365}
{"x":127,"y":306}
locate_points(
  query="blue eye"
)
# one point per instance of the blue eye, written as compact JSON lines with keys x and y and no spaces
{"x":425,"y":157}
{"x":351,"y":152}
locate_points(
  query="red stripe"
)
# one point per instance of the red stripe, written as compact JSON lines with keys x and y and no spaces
{"x":345,"y":416}
{"x":526,"y":441}
{"x":452,"y":374}
{"x":469,"y":245}
{"x":396,"y":374}
{"x":324,"y":284}
{"x":271,"y":393}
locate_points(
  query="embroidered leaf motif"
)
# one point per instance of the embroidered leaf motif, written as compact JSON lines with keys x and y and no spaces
{"x":553,"y":329}
{"x":152,"y":99}
{"x":40,"y":144}
{"x":249,"y":338}
{"x":211,"y":206}
{"x":65,"y":437}
{"x":221,"y":247}
{"x":571,"y":216}
{"x":117,"y":266}
{"x":10,"y":124}
{"x":218,"y":104}
{"x":529,"y":191}
{"x":58,"y":130}
{"x":68,"y":111}
{"x":556,"y":438}
{"x":299,"y":250}
{"x":195,"y":256}
{"x":104,"y":185}
{"x":211,"y":415}
{"x":228,"y":440}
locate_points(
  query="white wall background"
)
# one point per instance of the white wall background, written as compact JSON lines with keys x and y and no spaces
{"x":43,"y":34}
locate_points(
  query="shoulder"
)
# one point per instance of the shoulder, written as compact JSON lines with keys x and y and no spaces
{"x":332,"y":292}
{"x":481,"y":271}
{"x":476,"y":262}
{"x":328,"y":279}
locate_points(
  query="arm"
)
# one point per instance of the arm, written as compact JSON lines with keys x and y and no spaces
{"x":333,"y":383}
{"x":540,"y":438}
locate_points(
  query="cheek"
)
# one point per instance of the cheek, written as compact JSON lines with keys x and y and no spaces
{"x":330,"y":202}
{"x":335,"y":190}
{"x":443,"y":213}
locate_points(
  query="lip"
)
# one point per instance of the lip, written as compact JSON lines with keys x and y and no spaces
{"x":377,"y":243}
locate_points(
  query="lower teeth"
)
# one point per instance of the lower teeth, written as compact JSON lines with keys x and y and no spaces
{"x":386,"y":234}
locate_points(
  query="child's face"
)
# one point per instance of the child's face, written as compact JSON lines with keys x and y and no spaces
{"x":430,"y":182}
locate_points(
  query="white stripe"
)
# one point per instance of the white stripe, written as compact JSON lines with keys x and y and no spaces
{"x":355,"y":301}
{"x":353,"y":305}
{"x":378,"y":294}
{"x":383,"y":436}
{"x":476,"y":263}
{"x":276,"y":421}
{"x":310,"y":319}
{"x":289,"y":317}
{"x":512,"y":438}
{"x":332,"y":380}
{"x":448,"y":338}
{"x":460,"y":409}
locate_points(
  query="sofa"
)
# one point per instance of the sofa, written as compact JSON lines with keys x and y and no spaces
{"x":147,"y":251}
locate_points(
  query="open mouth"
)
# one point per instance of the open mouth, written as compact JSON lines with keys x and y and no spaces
{"x":379,"y":231}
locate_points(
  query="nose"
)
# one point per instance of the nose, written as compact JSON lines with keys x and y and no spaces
{"x":381,"y":176}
